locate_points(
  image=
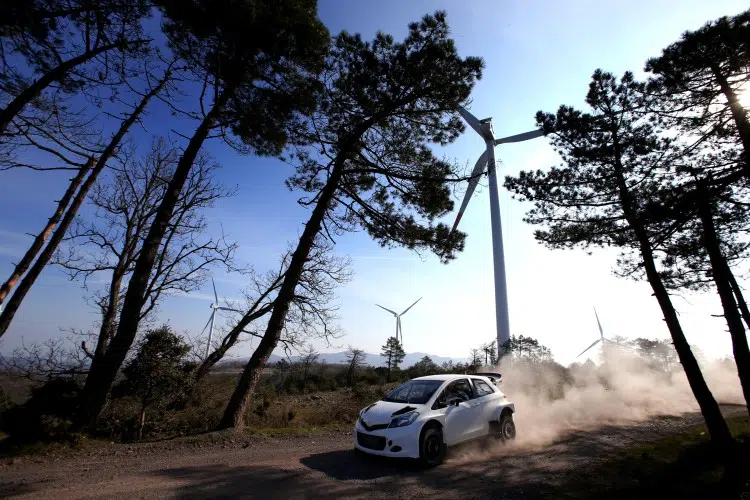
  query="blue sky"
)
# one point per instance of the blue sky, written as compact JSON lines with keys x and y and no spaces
{"x":538,"y":55}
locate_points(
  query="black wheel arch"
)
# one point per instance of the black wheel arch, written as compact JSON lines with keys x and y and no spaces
{"x":429,"y":425}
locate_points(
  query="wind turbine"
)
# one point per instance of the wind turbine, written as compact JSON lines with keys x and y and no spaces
{"x":398,"y":319}
{"x":487,"y":161}
{"x":601,"y":338}
{"x":214,"y":307}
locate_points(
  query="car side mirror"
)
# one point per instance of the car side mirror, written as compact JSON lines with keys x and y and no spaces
{"x":453,"y":402}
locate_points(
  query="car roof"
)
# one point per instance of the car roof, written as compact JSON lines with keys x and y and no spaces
{"x":448,"y":376}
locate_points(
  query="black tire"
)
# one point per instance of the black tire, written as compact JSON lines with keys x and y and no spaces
{"x":507,"y":427}
{"x":431,"y":447}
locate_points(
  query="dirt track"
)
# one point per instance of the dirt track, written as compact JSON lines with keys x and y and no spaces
{"x":316,"y":467}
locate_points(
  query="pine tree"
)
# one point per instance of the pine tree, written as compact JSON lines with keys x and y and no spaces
{"x":371,"y":166}
{"x":394,"y":354}
{"x":158,"y":372}
{"x":600,"y":196}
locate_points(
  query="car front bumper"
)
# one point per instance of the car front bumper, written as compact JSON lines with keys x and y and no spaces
{"x":406,"y":438}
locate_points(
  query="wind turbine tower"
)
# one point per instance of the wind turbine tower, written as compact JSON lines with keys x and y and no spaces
{"x":486,"y":163}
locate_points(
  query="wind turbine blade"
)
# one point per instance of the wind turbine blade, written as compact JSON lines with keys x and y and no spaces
{"x":601,"y":332}
{"x":420,"y":298}
{"x":392,"y":312}
{"x":209,"y":321}
{"x":216,"y":297}
{"x":616,"y":343}
{"x":471,"y":120}
{"x":520,"y":137}
{"x":475,"y":174}
{"x":222,"y":308}
{"x":589,"y":347}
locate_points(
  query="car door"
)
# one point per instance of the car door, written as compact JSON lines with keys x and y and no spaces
{"x":487,"y":397}
{"x":462,"y":411}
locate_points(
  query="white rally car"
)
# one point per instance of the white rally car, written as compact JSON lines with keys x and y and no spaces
{"x":422,"y":417}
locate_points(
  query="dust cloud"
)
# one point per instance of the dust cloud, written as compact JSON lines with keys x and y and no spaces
{"x":552,"y":401}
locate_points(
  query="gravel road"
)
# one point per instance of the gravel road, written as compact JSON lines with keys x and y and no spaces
{"x":321,"y":466}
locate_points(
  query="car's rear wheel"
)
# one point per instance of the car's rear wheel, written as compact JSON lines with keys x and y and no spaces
{"x":431,"y":447}
{"x":507,"y":427}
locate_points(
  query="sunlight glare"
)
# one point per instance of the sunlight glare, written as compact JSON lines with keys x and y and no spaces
{"x":744,"y":98}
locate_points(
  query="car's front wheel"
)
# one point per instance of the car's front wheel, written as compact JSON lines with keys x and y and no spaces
{"x":431,"y":447}
{"x":507,"y":427}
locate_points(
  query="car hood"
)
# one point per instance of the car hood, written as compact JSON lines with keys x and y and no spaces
{"x":382,"y":412}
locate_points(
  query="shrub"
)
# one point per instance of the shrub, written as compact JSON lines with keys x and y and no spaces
{"x":48,"y":415}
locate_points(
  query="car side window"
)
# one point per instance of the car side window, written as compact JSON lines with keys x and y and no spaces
{"x":458,"y":389}
{"x":482,"y":387}
{"x":461,"y":389}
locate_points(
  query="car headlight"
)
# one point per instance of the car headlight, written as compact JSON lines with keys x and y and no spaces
{"x":405,"y":419}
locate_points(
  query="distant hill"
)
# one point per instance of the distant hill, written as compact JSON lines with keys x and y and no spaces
{"x":339,"y":358}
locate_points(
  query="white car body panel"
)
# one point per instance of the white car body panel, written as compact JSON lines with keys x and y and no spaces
{"x":468,"y":420}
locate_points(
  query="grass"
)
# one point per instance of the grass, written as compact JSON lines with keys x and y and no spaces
{"x":680,"y":466}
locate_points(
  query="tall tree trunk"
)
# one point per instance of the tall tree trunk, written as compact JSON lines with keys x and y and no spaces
{"x":739,"y":114}
{"x":740,"y":298}
{"x":6,"y":317}
{"x":235,"y":411}
{"x":110,"y":313}
{"x":41,"y":238}
{"x":720,"y":270}
{"x":715,"y":423}
{"x":102,"y":373}
{"x":35,"y":89}
{"x":717,"y":426}
{"x":231,"y":339}
{"x":142,"y":422}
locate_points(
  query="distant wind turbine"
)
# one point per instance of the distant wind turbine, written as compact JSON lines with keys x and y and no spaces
{"x":601,"y":338}
{"x":487,"y":161}
{"x":398,"y":319}
{"x":214,"y":307}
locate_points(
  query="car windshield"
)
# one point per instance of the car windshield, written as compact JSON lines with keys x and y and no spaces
{"x":413,"y":391}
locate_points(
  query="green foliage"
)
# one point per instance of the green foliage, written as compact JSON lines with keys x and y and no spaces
{"x":423,"y":367}
{"x":696,"y":88}
{"x":383,"y":105}
{"x":527,"y":349}
{"x":45,"y":33}
{"x":159,"y":373}
{"x":263,"y":55}
{"x":696,"y":76}
{"x":47,"y":415}
{"x":658,"y":353}
{"x":615,"y":168}
{"x":394,"y":354}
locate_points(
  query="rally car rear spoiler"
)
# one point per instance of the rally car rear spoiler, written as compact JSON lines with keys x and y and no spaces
{"x":495,"y":377}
